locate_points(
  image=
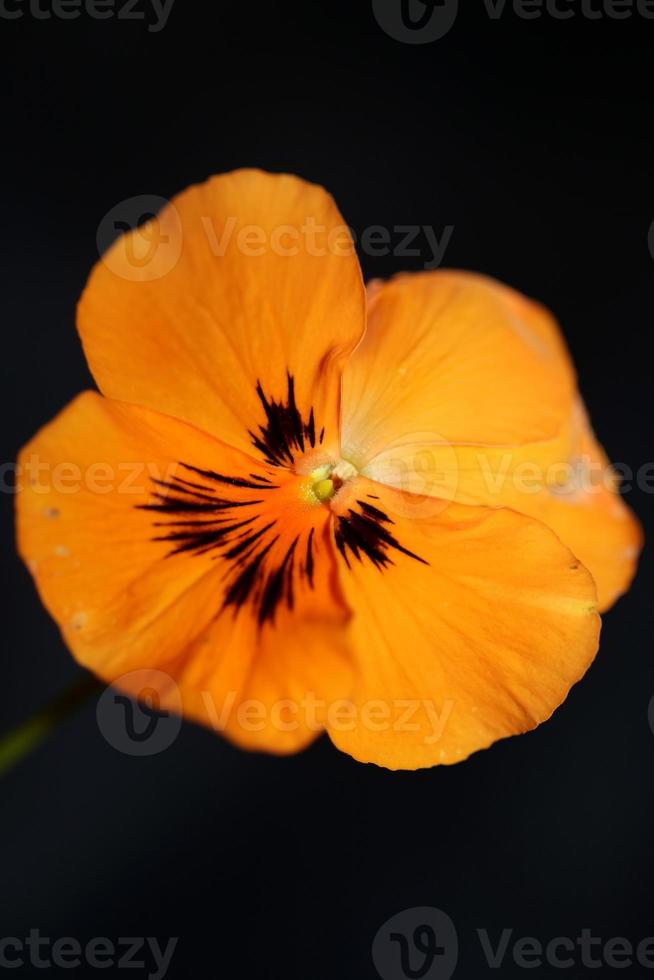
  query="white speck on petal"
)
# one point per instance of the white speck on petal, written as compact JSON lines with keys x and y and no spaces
{"x":78,"y":621}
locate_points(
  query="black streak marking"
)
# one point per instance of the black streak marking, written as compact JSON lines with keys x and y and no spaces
{"x":364,"y":534}
{"x":244,"y":585}
{"x":233,"y":481}
{"x":278,"y":583}
{"x":285,"y":431}
{"x":374,"y":512}
{"x":195,"y":519}
{"x":309,"y":564}
{"x":178,"y":505}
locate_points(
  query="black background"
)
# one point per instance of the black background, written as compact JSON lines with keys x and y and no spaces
{"x":531,"y":138}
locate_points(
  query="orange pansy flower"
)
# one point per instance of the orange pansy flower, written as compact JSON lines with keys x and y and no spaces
{"x":307,"y":508}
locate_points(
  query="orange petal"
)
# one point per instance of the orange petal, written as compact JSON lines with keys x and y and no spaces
{"x":475,"y":629}
{"x":238,"y":281}
{"x":456,"y":358}
{"x":578,"y":498}
{"x":155,"y":546}
{"x":513,"y":425}
{"x":566,"y":482}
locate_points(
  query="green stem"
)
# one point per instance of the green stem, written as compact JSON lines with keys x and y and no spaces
{"x":22,"y":740}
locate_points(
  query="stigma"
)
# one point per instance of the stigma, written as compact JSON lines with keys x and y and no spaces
{"x":326,"y":480}
{"x":324,"y":489}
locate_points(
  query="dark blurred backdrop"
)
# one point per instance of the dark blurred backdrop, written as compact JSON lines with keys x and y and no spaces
{"x":532,"y":139}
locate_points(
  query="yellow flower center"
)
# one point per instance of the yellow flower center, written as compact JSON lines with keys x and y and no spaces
{"x":324,"y":489}
{"x":324,"y":481}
